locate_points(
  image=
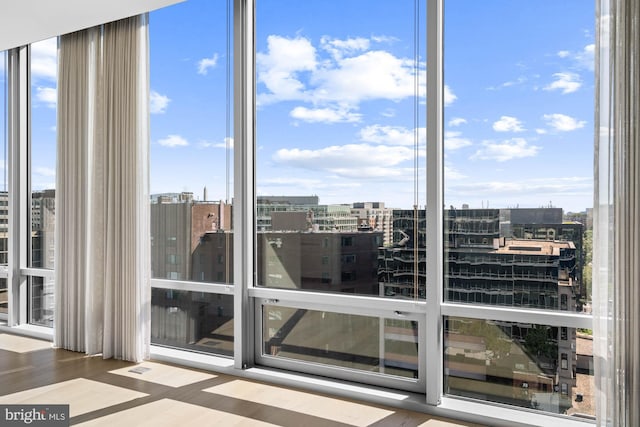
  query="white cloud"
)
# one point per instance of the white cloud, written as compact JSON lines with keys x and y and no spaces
{"x":292,"y":69}
{"x":46,"y":172}
{"x":449,"y":96}
{"x":338,"y":48}
{"x":508,"y":124}
{"x":42,"y":185}
{"x":44,"y":59}
{"x":47,"y":95}
{"x":392,"y":135}
{"x":373,"y":161}
{"x":206,"y":63}
{"x":541,"y":131}
{"x":451,"y":173}
{"x":563,"y":123}
{"x":324,"y":115}
{"x":310,"y":183}
{"x":382,"y":173}
{"x":227,"y":141}
{"x":329,"y":187}
{"x":389,"y":112}
{"x":158,"y":103}
{"x":384,"y":39}
{"x":542,"y":187}
{"x":514,"y":148}
{"x":454,"y":141}
{"x":520,"y":80}
{"x":173,"y":141}
{"x":457,"y":121}
{"x":566,"y":82}
{"x":371,"y":75}
{"x":587,"y":57}
{"x":278,"y":68}
{"x":583,"y":59}
{"x":290,"y":181}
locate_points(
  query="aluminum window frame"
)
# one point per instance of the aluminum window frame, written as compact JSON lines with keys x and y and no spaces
{"x":358,"y":306}
{"x":19,"y":139}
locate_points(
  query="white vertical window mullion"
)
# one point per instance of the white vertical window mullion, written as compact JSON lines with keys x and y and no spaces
{"x":18,"y":134}
{"x":244,"y":179}
{"x":434,"y":185}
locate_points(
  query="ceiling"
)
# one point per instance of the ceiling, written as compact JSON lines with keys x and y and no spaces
{"x":27,"y":21}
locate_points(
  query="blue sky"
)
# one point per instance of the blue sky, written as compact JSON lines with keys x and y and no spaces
{"x":335,"y":92}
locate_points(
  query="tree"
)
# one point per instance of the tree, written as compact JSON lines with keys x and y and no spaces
{"x":539,"y":342}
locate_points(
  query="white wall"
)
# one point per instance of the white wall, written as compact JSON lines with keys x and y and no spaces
{"x":27,"y":21}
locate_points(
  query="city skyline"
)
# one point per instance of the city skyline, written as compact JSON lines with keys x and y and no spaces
{"x":335,"y":103}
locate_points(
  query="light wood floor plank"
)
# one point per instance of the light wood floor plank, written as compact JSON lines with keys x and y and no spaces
{"x":104,"y":393}
{"x":159,"y":373}
{"x":81,"y":394}
{"x":172,"y":413}
{"x":305,"y":403}
{"x":19,"y":344}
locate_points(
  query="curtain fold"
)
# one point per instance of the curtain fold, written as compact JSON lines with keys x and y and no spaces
{"x":616,"y":261}
{"x":103,"y":249}
{"x":73,"y":137}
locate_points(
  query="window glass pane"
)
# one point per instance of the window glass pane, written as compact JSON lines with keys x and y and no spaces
{"x":191,"y":169}
{"x":4,"y":296}
{"x":42,"y":303}
{"x":192,"y":320}
{"x":191,"y":144}
{"x":44,"y":67}
{"x":341,"y":146}
{"x":372,"y":344}
{"x":519,"y":153}
{"x":521,"y":364}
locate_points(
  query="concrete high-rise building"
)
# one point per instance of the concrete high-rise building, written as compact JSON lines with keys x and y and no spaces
{"x":43,"y":225}
{"x":323,"y":217}
{"x":42,"y":255}
{"x":178,"y":223}
{"x":320,"y":261}
{"x":402,"y":265}
{"x":483,"y":267}
{"x":549,"y":224}
{"x":375,"y":216}
{"x":190,"y":241}
{"x":516,"y":273}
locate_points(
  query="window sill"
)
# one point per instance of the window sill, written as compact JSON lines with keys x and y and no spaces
{"x":31,"y":331}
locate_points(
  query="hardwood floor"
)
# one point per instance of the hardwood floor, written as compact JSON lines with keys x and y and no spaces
{"x":107,"y":393}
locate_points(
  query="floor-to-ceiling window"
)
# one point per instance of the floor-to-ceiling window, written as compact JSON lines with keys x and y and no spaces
{"x":340,"y":186}
{"x":518,"y":201}
{"x":340,"y":281}
{"x":191,"y":170}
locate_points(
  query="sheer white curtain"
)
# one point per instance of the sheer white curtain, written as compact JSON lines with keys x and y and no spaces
{"x":102,"y":245}
{"x":616,"y":291}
